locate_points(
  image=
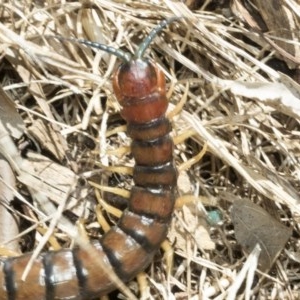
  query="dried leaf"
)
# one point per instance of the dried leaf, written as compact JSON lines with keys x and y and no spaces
{"x":278,"y":20}
{"x":9,"y":223}
{"x":41,"y":174}
{"x":9,"y":116}
{"x":48,"y":138}
{"x":282,"y":22}
{"x":283,"y":96}
{"x":253,"y":225}
{"x":11,"y":125}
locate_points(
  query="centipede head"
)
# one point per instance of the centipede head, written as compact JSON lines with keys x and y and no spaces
{"x":137,"y":79}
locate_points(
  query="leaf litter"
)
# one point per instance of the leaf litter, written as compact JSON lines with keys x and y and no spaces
{"x":239,"y":103}
{"x":253,"y":225}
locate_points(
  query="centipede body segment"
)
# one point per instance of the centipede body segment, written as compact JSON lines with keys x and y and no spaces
{"x":129,"y":246}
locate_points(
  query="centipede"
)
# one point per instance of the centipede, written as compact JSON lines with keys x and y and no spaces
{"x":129,"y":246}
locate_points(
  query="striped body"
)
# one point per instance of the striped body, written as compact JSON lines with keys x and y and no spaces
{"x":128,"y":247}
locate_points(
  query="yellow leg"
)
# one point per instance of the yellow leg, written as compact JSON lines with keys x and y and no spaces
{"x":119,"y":152}
{"x":118,"y":169}
{"x":115,"y":131}
{"x":82,"y":231}
{"x":186,"y":165}
{"x":183,"y":136}
{"x":100,"y":218}
{"x":114,"y":190}
{"x":143,"y":285}
{"x":109,"y":208}
{"x":180,"y":104}
{"x":168,"y":256}
{"x":52,"y":240}
{"x":7,"y":252}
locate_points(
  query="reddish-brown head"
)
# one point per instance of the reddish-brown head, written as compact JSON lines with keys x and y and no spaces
{"x":136,"y":79}
{"x":140,"y":88}
{"x":138,"y":83}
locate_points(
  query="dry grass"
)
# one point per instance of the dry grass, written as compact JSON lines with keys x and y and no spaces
{"x":252,"y":143}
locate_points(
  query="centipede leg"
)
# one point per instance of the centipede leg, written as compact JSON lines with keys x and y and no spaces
{"x":144,"y":287}
{"x":52,"y":240}
{"x":81,"y":230}
{"x":179,"y":106}
{"x":168,"y":256}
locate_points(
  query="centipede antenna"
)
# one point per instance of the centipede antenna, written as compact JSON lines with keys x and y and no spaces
{"x":126,"y":57}
{"x":146,"y":42}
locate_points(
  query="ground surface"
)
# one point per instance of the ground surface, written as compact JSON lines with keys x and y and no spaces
{"x":238,"y":86}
